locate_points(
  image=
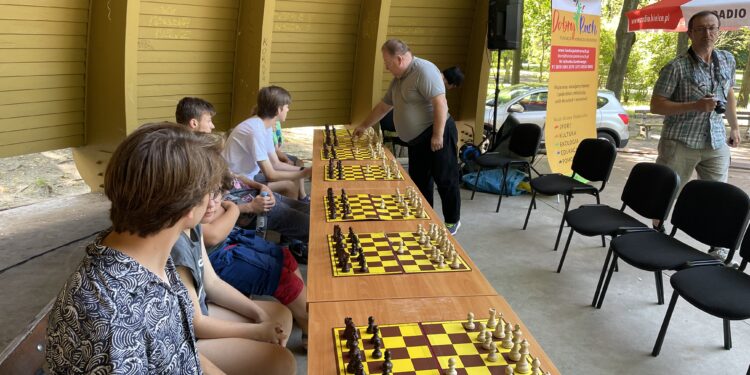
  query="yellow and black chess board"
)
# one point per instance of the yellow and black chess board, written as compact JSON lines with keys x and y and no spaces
{"x":424,"y":348}
{"x":362,"y":173}
{"x":349,"y":152}
{"x":381,"y":254}
{"x":366,"y":207}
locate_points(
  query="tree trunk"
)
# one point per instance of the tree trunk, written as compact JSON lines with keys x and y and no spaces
{"x":682,"y":43}
{"x":623,"y":45}
{"x":507,"y":68}
{"x":742,"y":100}
{"x":516,"y":75}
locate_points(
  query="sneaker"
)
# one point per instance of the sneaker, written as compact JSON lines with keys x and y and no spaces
{"x":306,"y":199}
{"x":299,"y":251}
{"x":719,"y":253}
{"x":453,"y":227}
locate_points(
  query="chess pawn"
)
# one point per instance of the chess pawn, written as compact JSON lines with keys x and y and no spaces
{"x":451,"y":367}
{"x":375,"y":335}
{"x":420,"y":213}
{"x":435,"y":253}
{"x":509,"y":371}
{"x":482,"y":332}
{"x":376,"y":353}
{"x":515,"y":353}
{"x":456,"y":264}
{"x":420,"y":229}
{"x":522,"y":366}
{"x":387,"y":364}
{"x":492,"y":322}
{"x":354,"y":352}
{"x":382,"y":204}
{"x":370,"y":324}
{"x":406,"y":210}
{"x":487,"y":344}
{"x":536,"y":365}
{"x":508,"y":340}
{"x":400,"y":247}
{"x":499,"y":330}
{"x":441,"y":261}
{"x":469,"y":323}
{"x":492,"y":357}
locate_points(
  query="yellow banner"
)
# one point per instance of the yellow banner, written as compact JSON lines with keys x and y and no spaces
{"x":573,"y":79}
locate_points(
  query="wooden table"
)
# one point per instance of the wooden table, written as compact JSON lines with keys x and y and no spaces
{"x":322,"y":286}
{"x":324,"y":316}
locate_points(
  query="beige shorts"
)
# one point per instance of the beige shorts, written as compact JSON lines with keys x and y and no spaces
{"x":710,"y":164}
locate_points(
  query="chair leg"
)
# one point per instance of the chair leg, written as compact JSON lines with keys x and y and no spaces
{"x":665,"y":325}
{"x":659,"y":288}
{"x":565,"y":251}
{"x":476,"y":181}
{"x":533,"y":198}
{"x":606,"y":282}
{"x":603,"y":243}
{"x":503,"y":190}
{"x":727,"y":335}
{"x":601,"y":278}
{"x":562,"y":222}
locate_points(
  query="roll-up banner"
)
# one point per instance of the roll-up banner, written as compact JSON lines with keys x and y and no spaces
{"x":573,"y":79}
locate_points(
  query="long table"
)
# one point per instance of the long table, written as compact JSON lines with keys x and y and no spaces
{"x":395,"y":298}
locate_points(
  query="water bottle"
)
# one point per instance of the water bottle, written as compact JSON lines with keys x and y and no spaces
{"x":260,"y":221}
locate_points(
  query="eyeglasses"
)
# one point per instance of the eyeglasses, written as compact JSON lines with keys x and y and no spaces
{"x":710,"y":29}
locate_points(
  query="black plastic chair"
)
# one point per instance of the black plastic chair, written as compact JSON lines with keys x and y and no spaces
{"x":649,"y":191}
{"x":524,"y":142}
{"x":711,"y":212}
{"x":721,"y":291}
{"x":593,"y":161}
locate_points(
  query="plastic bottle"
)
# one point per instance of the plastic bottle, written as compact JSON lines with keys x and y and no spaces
{"x":261,"y":223}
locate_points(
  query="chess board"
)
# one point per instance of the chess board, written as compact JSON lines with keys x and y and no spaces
{"x":382,"y":258}
{"x":423,"y":348}
{"x":350,"y":152}
{"x":367,"y":207}
{"x":362,"y":173}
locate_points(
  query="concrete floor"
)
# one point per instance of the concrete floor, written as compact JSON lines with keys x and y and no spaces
{"x":520,"y":264}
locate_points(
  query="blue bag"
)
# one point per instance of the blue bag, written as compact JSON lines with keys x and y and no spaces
{"x":489,"y":181}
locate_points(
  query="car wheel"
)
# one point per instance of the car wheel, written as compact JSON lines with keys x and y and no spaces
{"x":608,"y":137}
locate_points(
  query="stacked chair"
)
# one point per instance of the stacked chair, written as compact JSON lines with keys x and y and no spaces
{"x":593,"y":161}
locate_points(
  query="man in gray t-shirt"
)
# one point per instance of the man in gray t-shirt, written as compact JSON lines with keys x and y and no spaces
{"x":420,"y":113}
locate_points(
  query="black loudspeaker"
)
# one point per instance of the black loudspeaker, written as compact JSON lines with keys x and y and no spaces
{"x":504,"y":24}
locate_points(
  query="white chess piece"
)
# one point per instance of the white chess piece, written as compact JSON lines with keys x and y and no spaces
{"x":487,"y":344}
{"x":508,"y":340}
{"x":382,"y":204}
{"x":515,"y":353}
{"x":523,"y":364}
{"x":509,"y":371}
{"x":499,"y":330}
{"x":492,"y":322}
{"x":536,"y":365}
{"x":482,"y":332}
{"x":492,"y":357}
{"x":451,"y":367}
{"x":400,"y":247}
{"x":469,"y":323}
{"x":456,"y":264}
{"x":517,"y":334}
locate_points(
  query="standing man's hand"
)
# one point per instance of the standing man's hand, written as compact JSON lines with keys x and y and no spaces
{"x":734,"y":138}
{"x":436,"y":144}
{"x":358,"y":131}
{"x":705,"y":104}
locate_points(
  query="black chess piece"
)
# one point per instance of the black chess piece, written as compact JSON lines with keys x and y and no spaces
{"x":326,"y":153}
{"x":355,"y":352}
{"x":387,"y":364}
{"x":349,"y":327}
{"x":376,"y":353}
{"x":363,"y":263}
{"x":370,"y":324}
{"x":360,"y":369}
{"x":333,"y":153}
{"x":354,"y":362}
{"x":351,"y":235}
{"x":340,"y":170}
{"x":376,"y":335}
{"x":347,"y":266}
